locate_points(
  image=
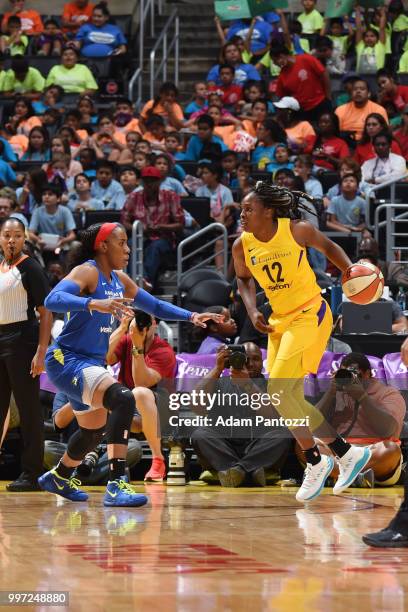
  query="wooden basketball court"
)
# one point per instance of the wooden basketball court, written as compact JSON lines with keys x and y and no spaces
{"x":205,"y":548}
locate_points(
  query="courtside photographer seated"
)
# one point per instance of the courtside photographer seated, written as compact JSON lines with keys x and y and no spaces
{"x":239,"y":452}
{"x":364,"y":410}
{"x":145,"y":359}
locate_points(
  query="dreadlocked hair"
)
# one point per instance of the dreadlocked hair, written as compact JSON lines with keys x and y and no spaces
{"x":287,"y":203}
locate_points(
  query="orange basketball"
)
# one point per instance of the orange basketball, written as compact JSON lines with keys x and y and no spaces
{"x":363,"y":283}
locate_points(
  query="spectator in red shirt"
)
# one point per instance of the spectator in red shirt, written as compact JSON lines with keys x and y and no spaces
{"x":162,"y":217}
{"x":304,"y":78}
{"x":145,"y":359}
{"x":230,"y":93}
{"x":328,"y":148}
{"x":401,"y":135}
{"x":373,"y":125}
{"x":389,"y":91}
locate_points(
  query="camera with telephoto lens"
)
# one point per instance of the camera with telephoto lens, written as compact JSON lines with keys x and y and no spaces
{"x":90,"y":461}
{"x":346,"y":376}
{"x":142,"y":320}
{"x":237,"y":357}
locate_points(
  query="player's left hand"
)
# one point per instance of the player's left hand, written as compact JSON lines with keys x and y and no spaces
{"x":37,"y":364}
{"x":200,"y":319}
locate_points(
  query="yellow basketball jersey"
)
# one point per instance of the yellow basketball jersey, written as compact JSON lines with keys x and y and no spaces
{"x":281,"y":268}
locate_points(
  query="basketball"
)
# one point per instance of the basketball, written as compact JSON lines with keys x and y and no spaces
{"x":363,"y":283}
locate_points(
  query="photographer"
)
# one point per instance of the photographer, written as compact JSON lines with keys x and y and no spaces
{"x":237,"y":458}
{"x":94,"y":469}
{"x":366,"y":411}
{"x":145,"y":359}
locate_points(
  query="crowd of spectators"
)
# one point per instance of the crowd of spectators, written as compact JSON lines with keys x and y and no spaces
{"x":317,"y":105}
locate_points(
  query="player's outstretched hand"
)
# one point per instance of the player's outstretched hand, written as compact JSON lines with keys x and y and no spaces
{"x":118,"y":307}
{"x":200,"y":319}
{"x":258,"y":321}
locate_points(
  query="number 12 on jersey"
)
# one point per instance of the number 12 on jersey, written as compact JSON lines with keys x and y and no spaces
{"x":274,"y":272}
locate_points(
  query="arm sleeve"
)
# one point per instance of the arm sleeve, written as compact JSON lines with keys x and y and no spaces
{"x":65,"y":298}
{"x":10,"y":174}
{"x":82,"y":33}
{"x":158,"y":308}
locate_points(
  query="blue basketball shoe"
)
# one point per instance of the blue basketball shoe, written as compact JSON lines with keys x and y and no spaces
{"x":120,"y":493}
{"x":65,"y":487}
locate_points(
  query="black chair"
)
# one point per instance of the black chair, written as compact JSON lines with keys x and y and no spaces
{"x":207,"y":293}
{"x":26,"y":166}
{"x":99,"y":66}
{"x":199,"y":209}
{"x":328,"y":179}
{"x":192,"y":277}
{"x":78,"y":218}
{"x":260,"y":175}
{"x":190,"y":167}
{"x":101,"y":216}
{"x":43,"y":63}
{"x":124,"y":22}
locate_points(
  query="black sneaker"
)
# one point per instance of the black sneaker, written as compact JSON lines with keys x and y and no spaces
{"x":386,"y":538}
{"x":23,"y":484}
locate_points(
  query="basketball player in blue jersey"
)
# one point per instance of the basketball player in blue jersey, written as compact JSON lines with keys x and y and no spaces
{"x":272,"y":249}
{"x":91,"y":296}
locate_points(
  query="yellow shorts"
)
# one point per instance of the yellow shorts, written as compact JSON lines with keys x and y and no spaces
{"x":299,"y":340}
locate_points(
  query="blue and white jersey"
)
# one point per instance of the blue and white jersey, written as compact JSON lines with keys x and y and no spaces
{"x":87,"y":333}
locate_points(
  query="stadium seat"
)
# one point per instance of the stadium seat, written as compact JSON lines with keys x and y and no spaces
{"x":190,"y":167}
{"x":26,"y":166}
{"x":192,"y":277}
{"x":207,"y":293}
{"x":328,"y":179}
{"x":199,"y":209}
{"x":101,"y":216}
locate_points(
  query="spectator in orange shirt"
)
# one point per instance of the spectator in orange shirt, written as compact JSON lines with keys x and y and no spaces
{"x":31,"y":23}
{"x":352,"y":115}
{"x":165,"y":104}
{"x":75,"y":14}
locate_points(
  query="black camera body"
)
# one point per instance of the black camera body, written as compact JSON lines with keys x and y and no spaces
{"x":346,"y":376}
{"x":237,"y":357}
{"x":142,"y":320}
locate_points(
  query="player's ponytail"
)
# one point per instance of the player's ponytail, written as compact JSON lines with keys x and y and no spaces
{"x":287,"y":203}
{"x":85,"y":249}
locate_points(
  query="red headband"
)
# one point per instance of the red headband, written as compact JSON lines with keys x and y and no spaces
{"x":105,"y":231}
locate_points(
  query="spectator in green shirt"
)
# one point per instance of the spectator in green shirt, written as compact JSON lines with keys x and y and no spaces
{"x":311,"y":20}
{"x":14,"y":42}
{"x":370,"y":45}
{"x":22,"y":79}
{"x":71,"y":76}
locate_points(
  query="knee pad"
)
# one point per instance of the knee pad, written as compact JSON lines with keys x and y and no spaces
{"x":121,"y":404}
{"x":84,"y":441}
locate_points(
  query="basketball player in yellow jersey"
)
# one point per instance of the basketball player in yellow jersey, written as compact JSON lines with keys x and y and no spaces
{"x":272,"y":249}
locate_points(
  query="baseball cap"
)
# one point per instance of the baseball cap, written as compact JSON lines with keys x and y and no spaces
{"x":288,"y":102}
{"x":151,"y":171}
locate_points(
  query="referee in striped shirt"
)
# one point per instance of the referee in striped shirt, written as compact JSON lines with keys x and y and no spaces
{"x":23,"y":343}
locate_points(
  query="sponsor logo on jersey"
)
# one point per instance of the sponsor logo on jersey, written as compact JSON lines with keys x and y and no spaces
{"x":105,"y":330}
{"x":279,"y":286}
{"x":261,"y":260}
